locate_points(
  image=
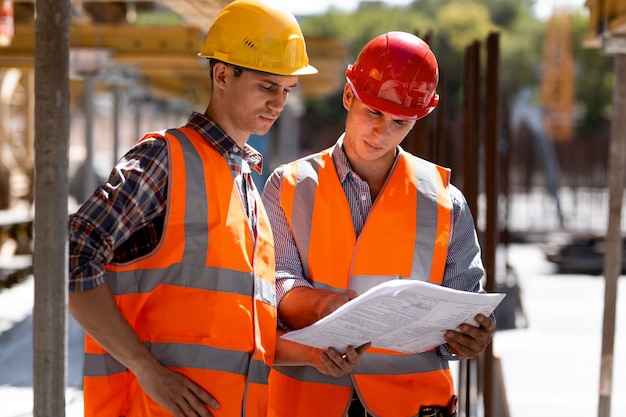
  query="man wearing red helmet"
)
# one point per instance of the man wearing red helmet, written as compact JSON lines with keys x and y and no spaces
{"x":357,"y":214}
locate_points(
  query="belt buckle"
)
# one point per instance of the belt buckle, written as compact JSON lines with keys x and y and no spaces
{"x":431,"y":411}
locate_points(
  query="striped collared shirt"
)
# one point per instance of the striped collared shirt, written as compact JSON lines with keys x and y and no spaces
{"x":463,"y":270}
{"x":132,"y":203}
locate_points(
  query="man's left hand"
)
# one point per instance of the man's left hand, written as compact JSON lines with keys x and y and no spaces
{"x":469,"y":341}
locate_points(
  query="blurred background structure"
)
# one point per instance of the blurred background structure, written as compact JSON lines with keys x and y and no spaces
{"x":526,"y":122}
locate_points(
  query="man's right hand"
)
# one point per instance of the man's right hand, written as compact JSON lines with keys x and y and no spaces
{"x":328,"y":362}
{"x":96,"y":311}
{"x":331,"y":362}
{"x":176,"y":393}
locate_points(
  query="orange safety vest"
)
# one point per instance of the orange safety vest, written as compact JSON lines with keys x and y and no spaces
{"x":406,"y":234}
{"x":203,"y":301}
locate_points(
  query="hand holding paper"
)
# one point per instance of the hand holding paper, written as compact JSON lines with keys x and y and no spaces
{"x":403,"y":315}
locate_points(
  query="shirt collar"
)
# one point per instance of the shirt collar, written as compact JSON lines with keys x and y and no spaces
{"x":223,"y":143}
{"x":342,"y":165}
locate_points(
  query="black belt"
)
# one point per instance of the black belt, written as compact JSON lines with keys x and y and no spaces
{"x":429,"y":411}
{"x":357,"y":410}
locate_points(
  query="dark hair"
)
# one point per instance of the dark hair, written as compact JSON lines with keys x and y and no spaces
{"x":238,"y":70}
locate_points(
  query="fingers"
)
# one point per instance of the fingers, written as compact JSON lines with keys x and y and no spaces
{"x":337,"y":364}
{"x":363,"y":348}
{"x":202,"y":397}
{"x":193,"y":401}
{"x":351,"y":294}
{"x":178,"y":394}
{"x":470,"y":340}
{"x":189,"y":406}
{"x":486,"y":323}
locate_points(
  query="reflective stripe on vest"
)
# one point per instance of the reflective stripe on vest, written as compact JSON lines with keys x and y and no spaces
{"x":203,"y":301}
{"x":422,"y":203}
{"x":411,"y":220}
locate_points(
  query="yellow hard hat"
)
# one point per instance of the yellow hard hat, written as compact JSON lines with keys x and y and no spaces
{"x":260,"y":35}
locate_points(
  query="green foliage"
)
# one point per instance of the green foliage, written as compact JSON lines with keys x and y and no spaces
{"x":327,"y":111}
{"x":521,"y":51}
{"x":505,"y":13}
{"x":451,"y":26}
{"x":364,"y":24}
{"x":594,"y":79}
{"x":461,"y":23}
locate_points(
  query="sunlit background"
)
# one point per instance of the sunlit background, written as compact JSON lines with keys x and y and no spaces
{"x":134,"y":69}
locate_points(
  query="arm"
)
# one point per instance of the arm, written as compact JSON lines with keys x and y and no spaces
{"x":303,"y":306}
{"x":299,"y":304}
{"x":328,"y":362}
{"x":464,"y":271}
{"x":95,"y":310}
{"x":132,"y":198}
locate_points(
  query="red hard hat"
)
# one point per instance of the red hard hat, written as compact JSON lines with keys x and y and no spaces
{"x":396,"y":73}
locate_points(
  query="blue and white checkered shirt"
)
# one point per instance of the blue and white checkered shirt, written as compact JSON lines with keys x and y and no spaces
{"x":464,"y":269}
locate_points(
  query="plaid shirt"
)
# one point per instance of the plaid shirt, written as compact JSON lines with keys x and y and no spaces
{"x":133,"y":201}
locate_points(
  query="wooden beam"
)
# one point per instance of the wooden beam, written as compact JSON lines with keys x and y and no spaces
{"x":167,"y":56}
{"x":606,"y":18}
{"x":614,"y":241}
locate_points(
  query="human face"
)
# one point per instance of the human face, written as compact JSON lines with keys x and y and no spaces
{"x":249,"y":103}
{"x":372,"y":136}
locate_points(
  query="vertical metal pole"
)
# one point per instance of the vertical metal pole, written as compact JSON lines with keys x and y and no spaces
{"x":30,"y":130}
{"x":492,"y":173}
{"x":289,"y":130}
{"x":440,"y":137}
{"x":138,"y":116}
{"x":117,"y":115}
{"x":51,"y":194}
{"x":88,"y":173}
{"x":614,"y":243}
{"x":470,"y":126}
{"x":468,"y":378}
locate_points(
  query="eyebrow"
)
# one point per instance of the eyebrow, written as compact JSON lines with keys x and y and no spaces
{"x":263,"y":78}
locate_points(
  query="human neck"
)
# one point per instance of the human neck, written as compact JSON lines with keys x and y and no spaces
{"x":222,"y":120}
{"x":374,"y":173}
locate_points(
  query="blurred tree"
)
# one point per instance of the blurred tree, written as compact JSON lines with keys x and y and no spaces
{"x":368,"y":21}
{"x":452,"y":26}
{"x":594,"y":80}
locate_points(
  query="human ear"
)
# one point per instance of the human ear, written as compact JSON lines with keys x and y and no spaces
{"x":219,"y":74}
{"x":348,"y":95}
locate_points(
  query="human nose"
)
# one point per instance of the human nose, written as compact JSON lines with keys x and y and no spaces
{"x":277,"y":101}
{"x":381,"y":128}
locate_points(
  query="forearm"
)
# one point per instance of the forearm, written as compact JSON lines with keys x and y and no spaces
{"x":95,"y":310}
{"x":303,"y":306}
{"x":328,"y":362}
{"x":464,"y":269}
{"x":292,"y":353}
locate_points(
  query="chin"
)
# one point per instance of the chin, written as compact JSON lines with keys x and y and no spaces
{"x":262,"y":130}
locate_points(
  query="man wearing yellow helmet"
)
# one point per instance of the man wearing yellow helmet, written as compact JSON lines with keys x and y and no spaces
{"x":172,"y":260}
{"x":361,"y":213}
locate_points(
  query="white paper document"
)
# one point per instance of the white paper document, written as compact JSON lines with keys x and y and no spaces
{"x":401,"y":314}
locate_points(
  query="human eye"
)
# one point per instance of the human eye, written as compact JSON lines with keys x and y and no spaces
{"x":373,"y":112}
